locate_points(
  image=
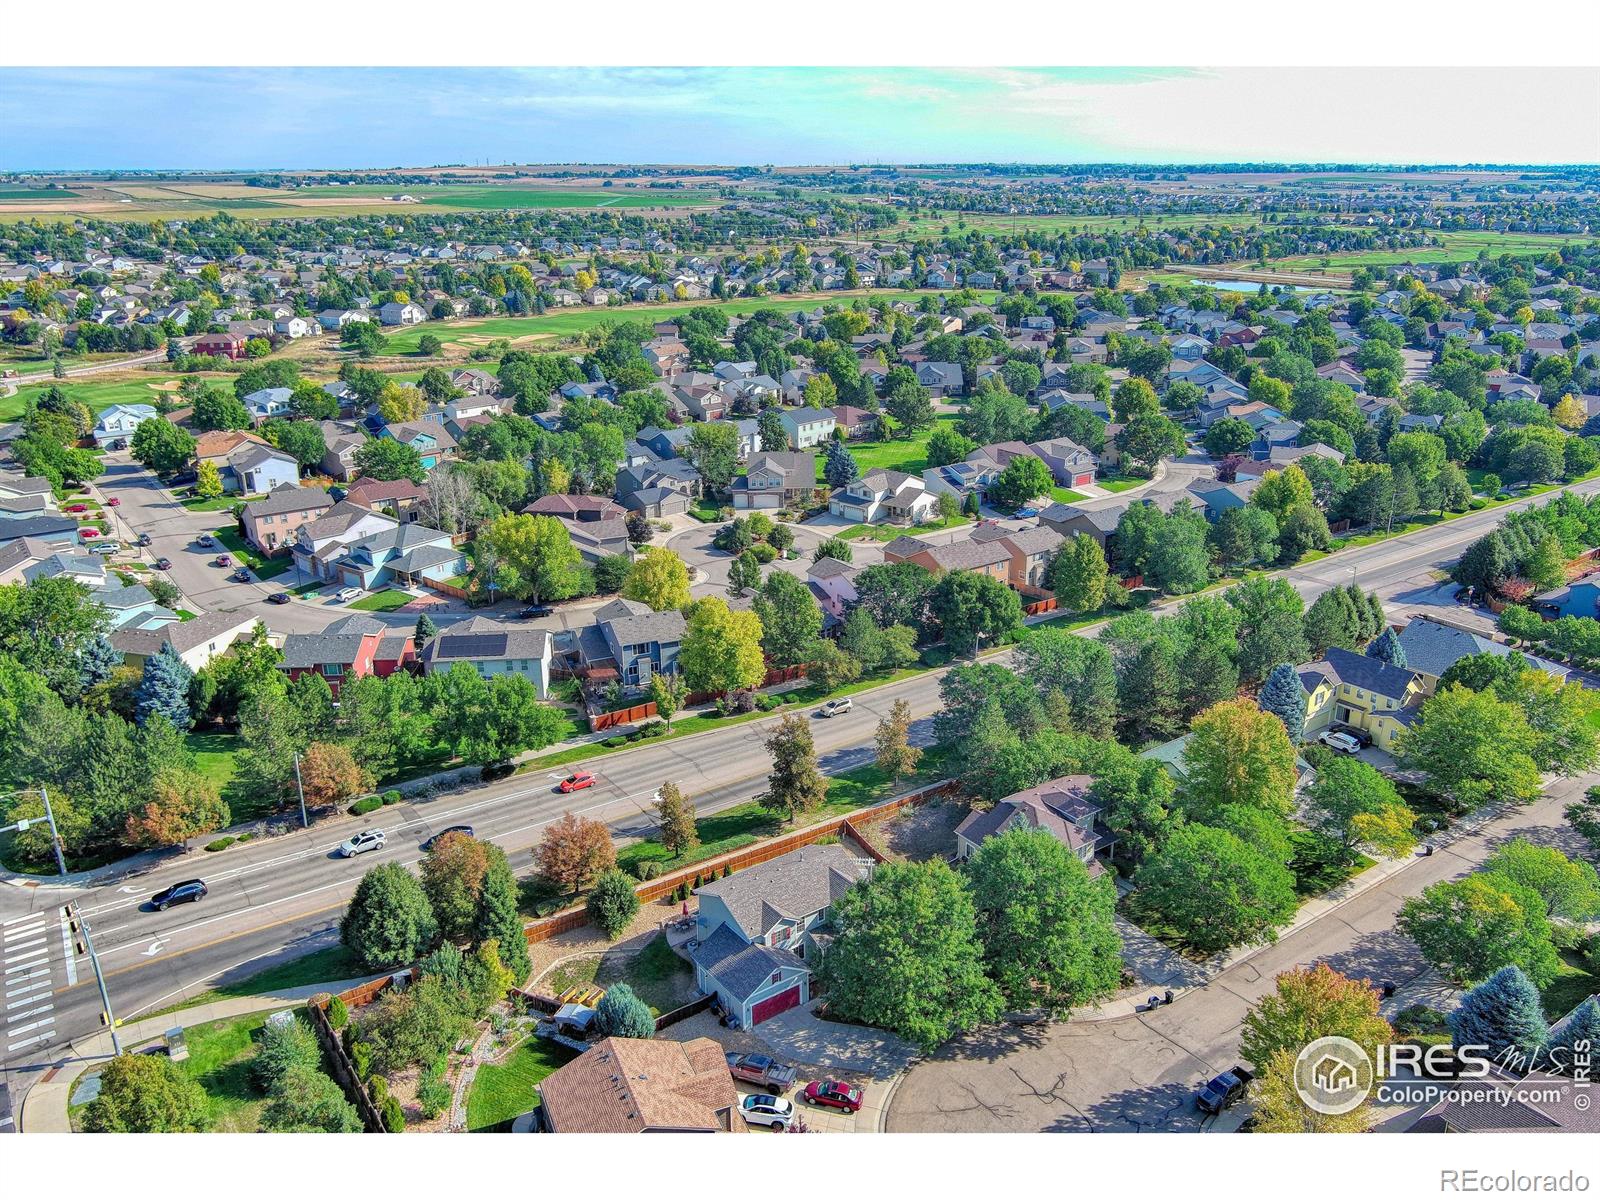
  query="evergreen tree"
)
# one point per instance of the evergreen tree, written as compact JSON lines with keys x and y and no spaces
{"x":1283,"y":697}
{"x":621,"y":1013}
{"x":498,"y":919}
{"x":389,"y":922}
{"x":1147,"y":696}
{"x":426,"y":630}
{"x":97,"y":661}
{"x":1386,"y":647}
{"x":612,"y":902}
{"x":839,"y":466}
{"x":164,"y":689}
{"x":1502,"y":1013}
{"x":1575,"y":1042}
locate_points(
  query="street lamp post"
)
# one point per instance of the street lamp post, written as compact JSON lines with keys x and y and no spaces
{"x":305,"y":822}
{"x":50,"y":819}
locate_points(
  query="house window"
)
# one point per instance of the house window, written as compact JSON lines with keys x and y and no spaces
{"x":332,"y":670}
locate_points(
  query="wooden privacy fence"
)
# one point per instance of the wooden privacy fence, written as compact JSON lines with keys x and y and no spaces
{"x":1039,"y":606}
{"x":575,"y":917}
{"x":344,"y":1070}
{"x":697,"y":1005}
{"x":621,"y":716}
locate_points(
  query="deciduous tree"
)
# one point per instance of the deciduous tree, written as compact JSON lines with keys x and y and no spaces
{"x":676,"y":828}
{"x":573,"y":851}
{"x":795,"y":784}
{"x":897,"y":757}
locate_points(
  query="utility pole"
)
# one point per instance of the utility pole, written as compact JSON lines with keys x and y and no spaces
{"x":50,"y":819}
{"x":99,"y":978}
{"x":305,"y":822}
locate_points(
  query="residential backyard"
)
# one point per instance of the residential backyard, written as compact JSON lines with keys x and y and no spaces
{"x":503,"y":1091}
{"x":658,"y":976}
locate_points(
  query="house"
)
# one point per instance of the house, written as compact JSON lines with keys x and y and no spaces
{"x":396,"y":313}
{"x":577,"y":508}
{"x":776,"y":479}
{"x":273,"y":523}
{"x":599,"y":539}
{"x":986,"y":558}
{"x":884,"y":495}
{"x":1031,"y":550}
{"x":25,"y":559}
{"x":855,"y":422}
{"x":197,"y":642}
{"x":429,"y":439}
{"x":833,"y":584}
{"x":807,"y":427}
{"x":117,"y":423}
{"x":1064,"y":808}
{"x":1538,"y":1102}
{"x":407,"y":555}
{"x":755,"y":929}
{"x":253,"y":470}
{"x":942,"y":379}
{"x":342,"y":441}
{"x":227,"y":345}
{"x":492,"y":648}
{"x":318,"y":541}
{"x":660,"y":489}
{"x":1220,"y":497}
{"x":1070,"y":464}
{"x":640,"y":1085}
{"x":629,"y":642}
{"x":267,"y":403}
{"x":1579,"y":599}
{"x":351,"y":648}
{"x":1345,"y":688}
{"x":1433,"y":646}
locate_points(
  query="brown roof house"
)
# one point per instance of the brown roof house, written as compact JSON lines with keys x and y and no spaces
{"x":272,"y":522}
{"x":776,"y":479}
{"x":986,"y":558}
{"x":634,"y":1085}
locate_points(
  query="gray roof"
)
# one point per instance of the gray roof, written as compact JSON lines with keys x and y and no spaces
{"x":338,"y":643}
{"x":288,"y":499}
{"x":483,"y":638}
{"x":1433,"y":647}
{"x":1371,"y":674}
{"x":182,"y":636}
{"x":740,"y":969}
{"x":795,"y":885}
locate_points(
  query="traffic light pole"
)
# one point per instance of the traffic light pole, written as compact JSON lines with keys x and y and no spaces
{"x":100,"y":979}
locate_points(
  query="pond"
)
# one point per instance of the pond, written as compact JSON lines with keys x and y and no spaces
{"x":1247,"y":286}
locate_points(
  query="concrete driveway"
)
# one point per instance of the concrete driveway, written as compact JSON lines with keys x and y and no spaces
{"x":801,"y":1036}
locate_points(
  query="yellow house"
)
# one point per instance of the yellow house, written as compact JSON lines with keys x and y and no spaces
{"x":1363,"y":693}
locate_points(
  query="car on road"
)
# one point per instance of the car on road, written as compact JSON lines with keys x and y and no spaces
{"x":224,"y":560}
{"x":834,"y":707}
{"x":143,"y":539}
{"x":367,"y":839}
{"x":205,"y":541}
{"x":187,"y":892}
{"x":577,"y":781}
{"x":1223,"y":1090}
{"x":278,"y":598}
{"x":240,"y":576}
{"x":532,"y":611}
{"x":830,"y":1093}
{"x":774,"y":1112}
{"x":163,"y":564}
{"x":1341,"y":742}
{"x":762,"y":1070}
{"x":114,"y":502}
{"x":463,"y":830}
{"x":344,"y":595}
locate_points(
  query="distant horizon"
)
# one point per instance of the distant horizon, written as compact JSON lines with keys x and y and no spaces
{"x":200,"y":119}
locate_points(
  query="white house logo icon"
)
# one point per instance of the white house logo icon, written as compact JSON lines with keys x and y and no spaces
{"x":1333,"y":1075}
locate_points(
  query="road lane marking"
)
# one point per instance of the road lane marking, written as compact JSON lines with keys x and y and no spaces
{"x":19,"y":920}
{"x":34,"y":986}
{"x":42,"y":1008}
{"x":28,"y":945}
{"x":33,"y":1041}
{"x":67,"y":956}
{"x":30,"y":1028}
{"x":12,"y":934}
{"x":22,"y":958}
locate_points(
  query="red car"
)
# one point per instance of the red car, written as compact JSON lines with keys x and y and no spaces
{"x":76,"y":508}
{"x":88,"y":533}
{"x":113,"y":502}
{"x":577,"y":781}
{"x":833,"y":1094}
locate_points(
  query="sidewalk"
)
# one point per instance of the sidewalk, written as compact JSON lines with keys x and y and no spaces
{"x":44,"y":1108}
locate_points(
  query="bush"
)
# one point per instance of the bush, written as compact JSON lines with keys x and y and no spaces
{"x":392,"y":797}
{"x":647,"y":870}
{"x":394,"y":1117}
{"x":362,"y":807}
{"x":433,"y":1094}
{"x":1571,"y":938}
{"x":283,"y":1047}
{"x":621,"y":1013}
{"x":612,"y":902}
{"x":614,"y":742}
{"x":221,"y":843}
{"x":378,"y":1089}
{"x":338,"y":1014}
{"x":653,"y":729}
{"x":767,"y":703}
{"x":934,"y":656}
{"x":763,"y":553}
{"x":361,"y":1059}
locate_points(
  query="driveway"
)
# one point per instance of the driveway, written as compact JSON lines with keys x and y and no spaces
{"x":802,"y":1037}
{"x":695,"y":548}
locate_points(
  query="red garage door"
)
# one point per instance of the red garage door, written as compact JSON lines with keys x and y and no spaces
{"x":1084,"y":480}
{"x":773,"y":1005}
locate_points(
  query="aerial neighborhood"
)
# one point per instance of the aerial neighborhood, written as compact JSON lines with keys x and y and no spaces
{"x":830,"y":652}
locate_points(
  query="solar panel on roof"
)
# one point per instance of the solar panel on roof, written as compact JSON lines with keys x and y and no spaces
{"x":473,"y":645}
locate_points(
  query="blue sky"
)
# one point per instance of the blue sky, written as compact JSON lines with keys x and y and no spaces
{"x":261,"y":117}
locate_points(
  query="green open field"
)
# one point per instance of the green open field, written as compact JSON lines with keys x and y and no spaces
{"x":573,"y":321}
{"x":96,"y":392}
{"x":1463,"y":246}
{"x":1052,"y":224}
{"x":901,"y":454}
{"x":36,"y":194}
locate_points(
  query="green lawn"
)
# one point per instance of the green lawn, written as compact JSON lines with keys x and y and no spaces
{"x":214,"y":503}
{"x":331,"y":964}
{"x":491,"y":196}
{"x":1118,"y":484}
{"x":503,"y":1091}
{"x":216,"y":755}
{"x":909,"y":455}
{"x":888,"y":533}
{"x":1459,"y":246}
{"x":96,"y":393}
{"x":659,"y":977}
{"x":219,"y":1061}
{"x":1577,"y":980}
{"x":246,"y":555}
{"x":384,"y":601}
{"x":1066,"y":495}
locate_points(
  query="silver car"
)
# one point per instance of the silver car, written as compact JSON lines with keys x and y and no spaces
{"x":834,"y":707}
{"x":367,"y":839}
{"x":774,"y":1112}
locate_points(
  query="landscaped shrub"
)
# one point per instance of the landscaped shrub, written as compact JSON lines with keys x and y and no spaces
{"x":615,"y":741}
{"x":338,"y":1013}
{"x":647,"y":870}
{"x":221,"y":843}
{"x":392,"y":797}
{"x":378,"y":1089}
{"x":362,"y":807}
{"x":612,"y":902}
{"x":433,"y":1093}
{"x":621,"y":1013}
{"x":726,"y":871}
{"x":654,"y":729}
{"x":763,"y":553}
{"x":394,"y":1117}
{"x":361,"y":1059}
{"x":767,"y":703}
{"x":934,"y":656}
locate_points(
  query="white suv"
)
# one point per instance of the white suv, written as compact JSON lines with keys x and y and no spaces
{"x":1342,"y":742}
{"x":834,"y":707}
{"x":367,"y":839}
{"x":774,"y":1112}
{"x":346,"y":594}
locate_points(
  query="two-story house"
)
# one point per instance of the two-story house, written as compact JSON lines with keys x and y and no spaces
{"x":1031,"y":551}
{"x":1063,"y":808}
{"x":350,"y":648}
{"x":273,"y":523}
{"x":1345,"y":688}
{"x":776,"y":479}
{"x":267,"y":403}
{"x":884,"y":495}
{"x":430,"y":439}
{"x":397,"y":313}
{"x":985,"y":558}
{"x":754,"y":930}
{"x":833,"y":584}
{"x":629,"y":642}
{"x":1432,"y":647}
{"x":492,"y":648}
{"x":118,"y":422}
{"x":807,"y":427}
{"x":1070,"y":464}
{"x":342,"y":440}
{"x":318,"y":542}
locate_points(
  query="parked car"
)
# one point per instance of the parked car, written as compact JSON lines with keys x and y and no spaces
{"x":834,"y":707}
{"x":761,"y":1069}
{"x":532,"y":611}
{"x":240,"y":576}
{"x":1361,"y":736}
{"x":344,"y":595}
{"x":113,"y":502}
{"x":76,"y":508}
{"x":463,"y":830}
{"x":1343,"y":743}
{"x":577,"y":781}
{"x":188,"y":892}
{"x":205,"y":541}
{"x":367,"y":839}
{"x":278,"y":598}
{"x":1023,"y":513}
{"x":831,"y":1093}
{"x":1222,"y":1091}
{"x":105,"y":546}
{"x":163,"y":564}
{"x":88,"y":533}
{"x":774,"y":1112}
{"x":224,"y":560}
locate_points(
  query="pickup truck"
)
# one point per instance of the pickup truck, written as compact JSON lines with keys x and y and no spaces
{"x":761,"y":1070}
{"x":1220,"y":1092}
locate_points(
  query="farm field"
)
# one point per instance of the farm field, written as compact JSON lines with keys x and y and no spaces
{"x":1003,"y":223}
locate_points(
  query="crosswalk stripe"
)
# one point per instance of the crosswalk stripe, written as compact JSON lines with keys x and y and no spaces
{"x":40,"y":1011}
{"x":15,"y":1004}
{"x":34,"y":986}
{"x":23,"y":932}
{"x":21,"y":959}
{"x":26,"y":1042}
{"x":37,"y":941}
{"x":66,"y":950}
{"x":28,"y":1028}
{"x":19,"y":920}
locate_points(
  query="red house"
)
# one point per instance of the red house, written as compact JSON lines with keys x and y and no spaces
{"x":350,"y":648}
{"x":229,"y":345}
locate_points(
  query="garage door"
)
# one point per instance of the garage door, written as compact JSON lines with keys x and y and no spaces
{"x":773,"y":1005}
{"x":1084,"y":480}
